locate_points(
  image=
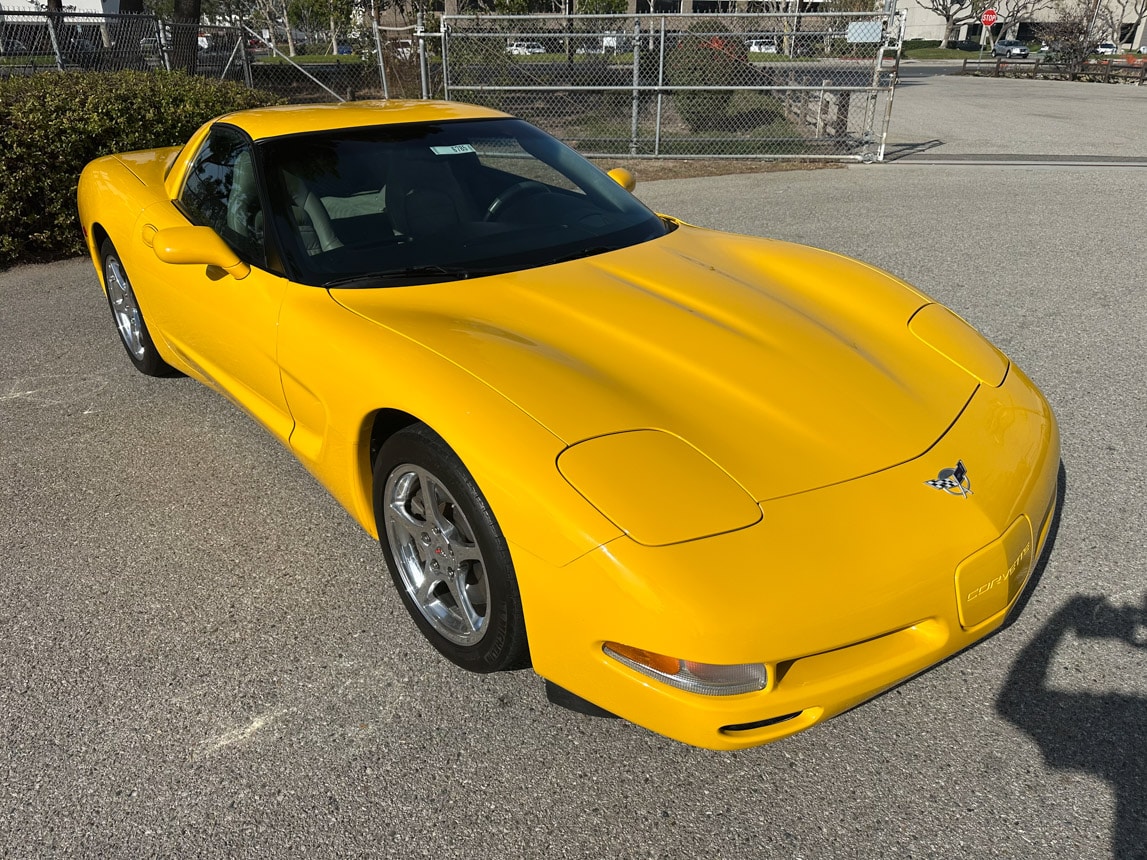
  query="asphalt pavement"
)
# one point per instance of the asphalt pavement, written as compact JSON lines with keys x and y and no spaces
{"x":202,"y":656}
{"x":956,"y":118}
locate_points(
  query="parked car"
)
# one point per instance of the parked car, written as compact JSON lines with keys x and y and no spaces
{"x":725,"y":487}
{"x":1010,"y":48}
{"x":762,"y":46}
{"x":1106,"y":48}
{"x":523,"y":48}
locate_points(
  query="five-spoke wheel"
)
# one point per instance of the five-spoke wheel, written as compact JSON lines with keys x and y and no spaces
{"x":447,"y":554}
{"x":128,"y":317}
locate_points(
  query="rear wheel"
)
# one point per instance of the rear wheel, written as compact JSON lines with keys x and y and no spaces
{"x":133,"y":333}
{"x":446,"y":553}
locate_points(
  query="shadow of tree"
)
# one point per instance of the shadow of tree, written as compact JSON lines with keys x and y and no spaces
{"x":1104,"y":734}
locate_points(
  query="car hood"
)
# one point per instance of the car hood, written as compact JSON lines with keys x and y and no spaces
{"x":789,"y":367}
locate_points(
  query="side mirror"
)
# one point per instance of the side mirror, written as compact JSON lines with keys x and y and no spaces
{"x":199,"y":246}
{"x":623,"y":178}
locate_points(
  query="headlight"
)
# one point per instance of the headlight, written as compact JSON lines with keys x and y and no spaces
{"x":709,"y":679}
{"x":656,"y":487}
{"x":959,"y":343}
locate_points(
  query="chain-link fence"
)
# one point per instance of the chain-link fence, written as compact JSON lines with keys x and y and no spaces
{"x":808,"y":85}
{"x":378,"y":64}
{"x":757,"y":85}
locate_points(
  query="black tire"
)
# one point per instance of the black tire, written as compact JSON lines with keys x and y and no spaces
{"x":449,"y":559}
{"x":128,"y":318}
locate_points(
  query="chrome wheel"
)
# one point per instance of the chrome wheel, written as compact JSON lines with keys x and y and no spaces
{"x":436,"y":553}
{"x":129,"y":321}
{"x":128,"y":318}
{"x":446,"y":553}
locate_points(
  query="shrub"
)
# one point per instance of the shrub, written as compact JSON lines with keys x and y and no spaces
{"x":704,"y":58}
{"x":51,"y":125}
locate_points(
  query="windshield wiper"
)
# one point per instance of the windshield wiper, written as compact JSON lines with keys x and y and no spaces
{"x":584,"y":252}
{"x":416,"y":272}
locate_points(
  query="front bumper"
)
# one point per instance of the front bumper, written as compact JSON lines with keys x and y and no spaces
{"x":842,"y":592}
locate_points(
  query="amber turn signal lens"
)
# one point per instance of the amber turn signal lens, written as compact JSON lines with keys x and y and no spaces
{"x":657,"y":662}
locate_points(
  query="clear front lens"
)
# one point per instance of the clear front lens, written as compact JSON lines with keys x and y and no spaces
{"x":709,"y":679}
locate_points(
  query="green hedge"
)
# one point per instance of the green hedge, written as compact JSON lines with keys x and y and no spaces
{"x":917,"y":44}
{"x":51,"y":125}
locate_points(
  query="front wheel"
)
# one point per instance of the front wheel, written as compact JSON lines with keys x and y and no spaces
{"x":133,"y":333}
{"x":446,"y":553}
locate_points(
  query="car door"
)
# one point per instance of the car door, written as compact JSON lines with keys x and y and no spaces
{"x":225,"y":328}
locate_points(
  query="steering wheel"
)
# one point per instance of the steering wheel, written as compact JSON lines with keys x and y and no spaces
{"x":498,"y":204}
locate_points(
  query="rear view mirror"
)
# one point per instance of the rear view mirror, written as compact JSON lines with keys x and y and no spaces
{"x":198,"y":246}
{"x":623,"y":178}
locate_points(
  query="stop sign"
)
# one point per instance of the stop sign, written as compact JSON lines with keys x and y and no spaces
{"x":988,"y":17}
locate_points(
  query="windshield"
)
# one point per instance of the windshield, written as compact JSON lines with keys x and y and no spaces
{"x":401,"y":204}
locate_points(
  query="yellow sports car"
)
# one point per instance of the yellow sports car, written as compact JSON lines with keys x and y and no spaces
{"x":723,"y":487}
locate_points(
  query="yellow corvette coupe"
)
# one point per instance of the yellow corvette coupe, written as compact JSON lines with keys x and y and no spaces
{"x":723,"y":487}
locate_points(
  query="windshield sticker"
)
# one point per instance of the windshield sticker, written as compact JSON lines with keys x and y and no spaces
{"x":457,"y":149}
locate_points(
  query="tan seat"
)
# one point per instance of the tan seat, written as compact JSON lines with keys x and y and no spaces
{"x":244,"y":214}
{"x":311,"y":218}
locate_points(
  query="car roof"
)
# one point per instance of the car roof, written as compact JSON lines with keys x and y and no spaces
{"x":280,"y":120}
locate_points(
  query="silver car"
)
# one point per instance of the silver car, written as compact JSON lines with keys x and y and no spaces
{"x":1010,"y":48}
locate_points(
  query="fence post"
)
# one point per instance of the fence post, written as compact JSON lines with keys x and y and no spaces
{"x":378,"y":53}
{"x":423,"y":68}
{"x":636,"y":85}
{"x":443,"y":30}
{"x":660,"y":93}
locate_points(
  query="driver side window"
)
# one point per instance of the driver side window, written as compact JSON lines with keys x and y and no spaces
{"x":221,"y":192}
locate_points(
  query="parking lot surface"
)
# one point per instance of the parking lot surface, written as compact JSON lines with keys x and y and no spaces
{"x":202,"y":656}
{"x":953,"y":117}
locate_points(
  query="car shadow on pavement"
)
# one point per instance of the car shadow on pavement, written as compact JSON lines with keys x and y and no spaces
{"x":1103,"y":734}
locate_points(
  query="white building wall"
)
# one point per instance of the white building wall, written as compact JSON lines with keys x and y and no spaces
{"x":96,"y":7}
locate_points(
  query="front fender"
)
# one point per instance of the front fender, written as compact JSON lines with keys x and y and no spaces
{"x":339,"y":369}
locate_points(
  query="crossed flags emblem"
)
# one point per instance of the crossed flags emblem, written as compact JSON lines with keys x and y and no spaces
{"x":954,"y":482}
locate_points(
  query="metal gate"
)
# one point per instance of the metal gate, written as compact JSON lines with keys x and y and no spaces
{"x":768,"y":85}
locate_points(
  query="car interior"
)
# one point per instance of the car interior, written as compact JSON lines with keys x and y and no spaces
{"x":355,"y":204}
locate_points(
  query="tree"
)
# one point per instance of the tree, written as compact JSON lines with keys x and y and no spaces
{"x":956,"y":13}
{"x":606,"y":7}
{"x":1069,"y":36}
{"x":322,"y":20}
{"x":1113,"y":15}
{"x":185,"y":34}
{"x":1012,"y":13}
